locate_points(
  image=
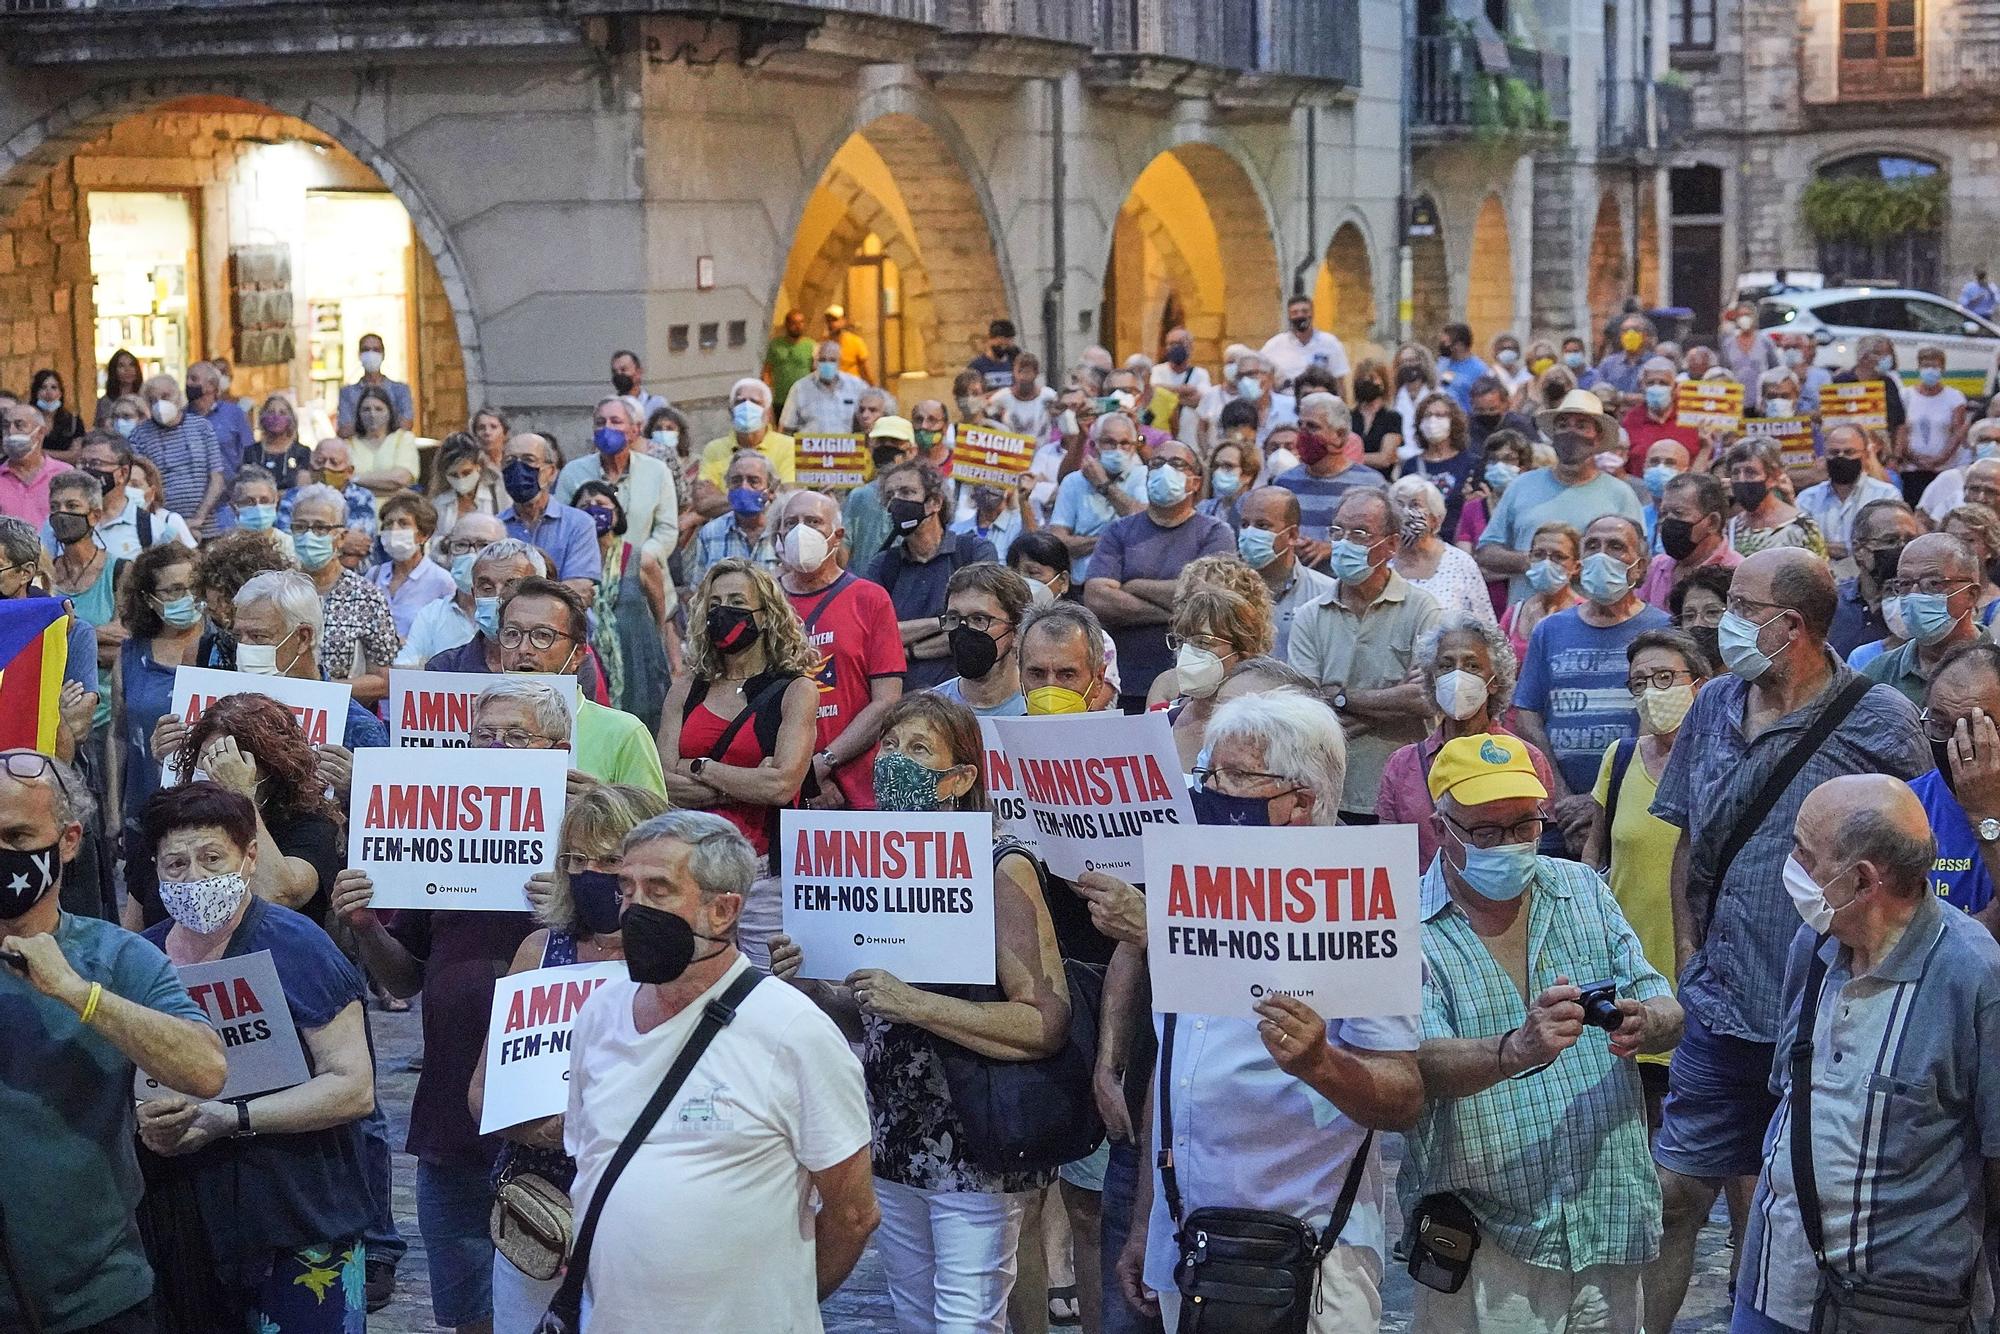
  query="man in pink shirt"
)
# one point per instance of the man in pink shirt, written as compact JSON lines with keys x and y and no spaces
{"x":25,"y":477}
{"x":1693,"y":509}
{"x":1653,"y":418}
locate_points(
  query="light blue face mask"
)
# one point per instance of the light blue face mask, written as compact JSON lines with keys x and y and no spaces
{"x":315,"y":549}
{"x":1350,"y":562}
{"x":1928,"y":616}
{"x":1658,"y":476}
{"x":1501,"y":873}
{"x":486,"y":615}
{"x":1249,"y":388}
{"x":1659,"y":397}
{"x":1166,"y":486}
{"x":1930,"y":375}
{"x":1545,"y":576}
{"x":1573,"y":360}
{"x":125,"y":426}
{"x":747,"y":416}
{"x":1986,"y":449}
{"x":461,"y":571}
{"x":1736,"y":639}
{"x":828,"y":371}
{"x":1604,"y":579}
{"x":1501,"y":475}
{"x":257,"y":518}
{"x":180,"y":613}
{"x":1257,"y":546}
{"x":1113,"y":461}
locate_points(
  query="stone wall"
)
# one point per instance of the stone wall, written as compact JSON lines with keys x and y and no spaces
{"x":45,"y":290}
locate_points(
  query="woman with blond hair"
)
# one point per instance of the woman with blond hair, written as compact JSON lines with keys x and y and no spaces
{"x":737,"y":733}
{"x":1215,"y":629}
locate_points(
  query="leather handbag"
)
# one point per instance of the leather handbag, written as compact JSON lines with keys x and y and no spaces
{"x":1846,"y":1302}
{"x":531,"y":1224}
{"x":1244,"y":1271}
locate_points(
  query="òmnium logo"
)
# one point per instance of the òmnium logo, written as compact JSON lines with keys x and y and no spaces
{"x":859,"y":938}
{"x":879,"y":940}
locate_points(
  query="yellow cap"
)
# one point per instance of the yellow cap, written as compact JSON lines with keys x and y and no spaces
{"x":1483,"y":768}
{"x":892,"y":428}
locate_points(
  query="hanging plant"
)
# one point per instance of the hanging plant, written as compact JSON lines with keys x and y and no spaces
{"x":1870,"y":210}
{"x":1501,"y":106}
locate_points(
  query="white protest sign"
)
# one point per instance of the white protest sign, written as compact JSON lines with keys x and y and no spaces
{"x":320,"y":706}
{"x":1092,"y":783}
{"x":1002,"y":791}
{"x":912,"y":894}
{"x":527,"y":1041}
{"x":465,"y":832}
{"x":435,"y":708}
{"x":245,"y":1004}
{"x":1324,"y":914}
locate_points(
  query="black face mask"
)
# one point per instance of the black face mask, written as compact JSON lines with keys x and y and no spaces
{"x":973,"y":652}
{"x":1366,"y":391}
{"x":1710,"y":640}
{"x":1486,"y":421}
{"x":732,"y":629}
{"x":621,"y":383}
{"x":659,"y":946}
{"x":1941,"y":757}
{"x":1573,"y":447}
{"x":1302,"y":322}
{"x":885,"y":456}
{"x":596,"y":896}
{"x":1677,"y":538}
{"x":906,"y":514}
{"x":1212,"y":807}
{"x":25,"y":877}
{"x":69,"y":528}
{"x":522,"y":479}
{"x":107,"y":482}
{"x":1842,"y":471}
{"x":1749,"y":495}
{"x":1882,"y":563}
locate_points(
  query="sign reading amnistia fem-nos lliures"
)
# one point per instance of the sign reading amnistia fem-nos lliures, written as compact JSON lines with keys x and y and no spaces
{"x":463,"y":829}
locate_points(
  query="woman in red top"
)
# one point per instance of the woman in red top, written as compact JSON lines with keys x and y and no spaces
{"x":737,"y":732}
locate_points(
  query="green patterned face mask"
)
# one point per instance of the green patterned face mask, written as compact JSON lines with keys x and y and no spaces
{"x":903,"y":784}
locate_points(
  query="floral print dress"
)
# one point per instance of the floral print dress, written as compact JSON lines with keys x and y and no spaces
{"x":918,"y":1139}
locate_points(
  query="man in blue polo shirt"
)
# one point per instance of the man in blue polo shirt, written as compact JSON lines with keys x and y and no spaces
{"x":1961,"y":797}
{"x":528,"y":470}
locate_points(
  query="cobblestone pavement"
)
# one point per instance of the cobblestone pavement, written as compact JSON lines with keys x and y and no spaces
{"x":862,"y":1304}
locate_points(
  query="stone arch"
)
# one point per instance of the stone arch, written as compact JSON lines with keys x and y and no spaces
{"x":1489,"y":293}
{"x":1430,"y":280}
{"x":31,"y":163}
{"x":1212,"y":223}
{"x":1344,"y":296}
{"x":1609,"y":282}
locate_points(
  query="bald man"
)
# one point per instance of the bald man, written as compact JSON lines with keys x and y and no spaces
{"x":1732,"y":921}
{"x":1938,"y":579}
{"x":1887,"y":977}
{"x":851,"y":624}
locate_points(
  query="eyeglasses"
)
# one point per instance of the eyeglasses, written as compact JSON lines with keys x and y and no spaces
{"x":317,"y":529}
{"x":1528,"y":830}
{"x":1936,"y":728}
{"x":543,"y":637}
{"x":572,"y":863}
{"x":513,"y":738}
{"x":30,"y":765}
{"x":464,"y":547}
{"x":1233,"y":782}
{"x":1983,"y":495}
{"x":1221,"y":648}
{"x":1740,"y":606}
{"x":1938,"y":587}
{"x":1337,"y":534}
{"x":1664,"y":679}
{"x":978,"y":620}
{"x":1179,"y":465}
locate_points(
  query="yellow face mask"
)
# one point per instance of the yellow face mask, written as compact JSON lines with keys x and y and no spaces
{"x":1056,"y":699}
{"x":1631,"y":340}
{"x":1540,"y":365}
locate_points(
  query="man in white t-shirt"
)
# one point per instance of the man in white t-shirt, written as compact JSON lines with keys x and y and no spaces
{"x":1188,"y":381}
{"x":1028,"y":406}
{"x":1299,"y":345}
{"x":711,"y":1226}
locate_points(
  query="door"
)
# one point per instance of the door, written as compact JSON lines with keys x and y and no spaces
{"x":1697,"y":269}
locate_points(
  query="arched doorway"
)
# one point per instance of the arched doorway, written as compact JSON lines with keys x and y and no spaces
{"x":1879,"y":217}
{"x":1344,"y":297}
{"x":1430,"y":277}
{"x":189,"y":219}
{"x":895,"y":233}
{"x":1191,"y":245}
{"x":1489,"y":293}
{"x":1609,"y":282}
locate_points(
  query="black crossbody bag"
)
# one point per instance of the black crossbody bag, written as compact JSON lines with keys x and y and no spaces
{"x":1846,"y":1302}
{"x":1244,"y":1271}
{"x":565,"y":1313}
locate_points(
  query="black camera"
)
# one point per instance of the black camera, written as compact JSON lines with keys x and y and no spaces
{"x":1600,"y":1005}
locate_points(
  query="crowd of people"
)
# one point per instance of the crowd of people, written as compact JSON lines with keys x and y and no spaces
{"x":1699,"y":728}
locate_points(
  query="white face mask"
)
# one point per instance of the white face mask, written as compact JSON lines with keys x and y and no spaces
{"x":203,"y":906}
{"x":1199,"y":671}
{"x":1040,"y":593}
{"x":1460,"y":694}
{"x":399,"y":543}
{"x":1279,"y":462}
{"x":371,"y":361}
{"x":1809,"y":896}
{"x":805,"y":549}
{"x":464,"y":483}
{"x":1661,"y":711}
{"x":1779,"y":407}
{"x":166,"y":412}
{"x":1437,"y":430}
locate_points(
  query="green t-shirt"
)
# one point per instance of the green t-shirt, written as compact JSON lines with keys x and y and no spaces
{"x":612,"y":746}
{"x":789,"y":360}
{"x":66,"y":1101}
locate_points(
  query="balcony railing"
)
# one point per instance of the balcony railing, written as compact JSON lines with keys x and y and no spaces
{"x":1460,"y":85}
{"x":1209,"y":32}
{"x":1066,"y":21}
{"x":1643,"y":116}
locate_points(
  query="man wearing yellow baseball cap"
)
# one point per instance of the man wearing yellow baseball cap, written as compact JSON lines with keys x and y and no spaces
{"x":1524,"y":956}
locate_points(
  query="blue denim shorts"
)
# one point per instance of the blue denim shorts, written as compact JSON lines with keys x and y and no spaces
{"x":1718,"y":1107}
{"x":454,"y":1215}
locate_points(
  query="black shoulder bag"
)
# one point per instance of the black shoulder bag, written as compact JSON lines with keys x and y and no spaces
{"x":565,"y":1313}
{"x":1847,"y":1303}
{"x":1773,"y":787}
{"x":1244,"y":1271}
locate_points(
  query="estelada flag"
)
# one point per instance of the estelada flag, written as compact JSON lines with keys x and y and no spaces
{"x":34,"y":648}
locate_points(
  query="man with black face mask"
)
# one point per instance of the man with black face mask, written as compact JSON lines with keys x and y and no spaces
{"x":918,"y":565}
{"x":984,"y":605}
{"x":83,"y":1002}
{"x":1834,"y":503}
{"x":1961,"y":797}
{"x":1880,"y":532}
{"x":996,"y":365}
{"x":890,"y":441}
{"x":1693,"y":509}
{"x":1573,"y":492}
{"x":775,"y":1098}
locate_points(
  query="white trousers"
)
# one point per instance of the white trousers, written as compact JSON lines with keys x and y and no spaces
{"x":1349,"y":1300}
{"x":518,"y":1301}
{"x":949,"y":1257}
{"x":1503,"y":1295}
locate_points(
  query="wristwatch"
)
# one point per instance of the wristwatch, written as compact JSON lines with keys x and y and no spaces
{"x":697,"y":764}
{"x":1340,"y":699}
{"x":243,"y":1130}
{"x":1988,"y":830}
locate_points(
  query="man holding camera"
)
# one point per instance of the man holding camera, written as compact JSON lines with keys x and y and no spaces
{"x":1531,"y":1196}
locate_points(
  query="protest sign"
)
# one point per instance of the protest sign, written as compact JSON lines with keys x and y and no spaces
{"x":908,"y":893}
{"x":982,"y":455}
{"x":465,"y":834}
{"x":320,"y":706}
{"x":1002,"y":791}
{"x":1715,"y":405}
{"x":1862,"y":403}
{"x":1794,"y":436}
{"x":435,"y":708}
{"x":245,"y":1004}
{"x":1091,"y":783}
{"x":527,"y":1041}
{"x":829,"y":462}
{"x":1327,"y":915}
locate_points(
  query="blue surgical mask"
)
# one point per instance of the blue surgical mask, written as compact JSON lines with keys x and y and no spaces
{"x":1166,"y":486}
{"x":1501,"y":474}
{"x":1502,"y":874}
{"x":1257,"y":546}
{"x":1545,"y":576}
{"x":1605,"y":578}
{"x":747,"y":501}
{"x":1114,"y":461}
{"x":1986,"y":449}
{"x":747,"y":416}
{"x":828,"y":371}
{"x":1350,"y":561}
{"x":1659,"y":397}
{"x":486,"y":615}
{"x":315,"y":549}
{"x":461,"y":571}
{"x":125,"y":426}
{"x":609,"y":440}
{"x":1658,"y":476}
{"x":1930,"y":375}
{"x":180,"y":613}
{"x":1573,"y":360}
{"x":257,"y":518}
{"x":1249,"y":388}
{"x":1928,"y":617}
{"x":1736,"y":638}
{"x":1225,"y":481}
